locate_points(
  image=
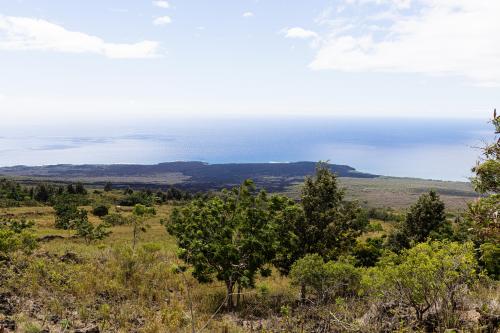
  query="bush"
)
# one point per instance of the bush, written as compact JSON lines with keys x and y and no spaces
{"x":327,"y":280}
{"x":87,"y":230}
{"x":100,"y":210}
{"x":490,"y":259}
{"x":115,"y":219}
{"x":15,"y":235}
{"x":431,"y":276}
{"x":367,"y":253}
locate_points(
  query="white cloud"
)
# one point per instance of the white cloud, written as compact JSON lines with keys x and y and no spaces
{"x":2,"y":97}
{"x":161,"y":4}
{"x":23,"y":33}
{"x":248,"y":14}
{"x":162,"y":20}
{"x":437,"y":37}
{"x":402,"y":4}
{"x":298,"y":32}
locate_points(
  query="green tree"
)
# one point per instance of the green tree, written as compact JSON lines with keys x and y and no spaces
{"x":483,"y":214}
{"x":87,"y":230}
{"x":66,"y":210}
{"x":331,"y":224}
{"x":108,"y":187}
{"x":426,"y":218}
{"x":432,"y":275}
{"x":140,"y":216}
{"x":325,"y":224}
{"x":230,"y":237}
{"x":42,"y":193}
{"x":80,"y":189}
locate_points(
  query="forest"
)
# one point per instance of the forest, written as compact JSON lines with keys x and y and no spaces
{"x":75,"y":258}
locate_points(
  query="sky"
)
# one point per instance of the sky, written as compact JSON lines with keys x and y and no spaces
{"x":111,"y":60}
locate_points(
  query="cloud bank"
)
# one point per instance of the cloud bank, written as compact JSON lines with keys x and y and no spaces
{"x":433,"y":37}
{"x":24,"y":33}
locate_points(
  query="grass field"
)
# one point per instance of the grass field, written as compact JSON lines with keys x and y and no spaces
{"x":400,"y":193}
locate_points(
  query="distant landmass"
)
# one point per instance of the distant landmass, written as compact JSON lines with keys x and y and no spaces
{"x":369,"y":189}
{"x":187,"y":175}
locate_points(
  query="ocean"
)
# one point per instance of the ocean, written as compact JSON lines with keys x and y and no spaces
{"x":424,"y":148}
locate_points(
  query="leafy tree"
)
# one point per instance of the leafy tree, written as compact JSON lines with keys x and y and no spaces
{"x":66,"y":210}
{"x":325,"y":223}
{"x":80,"y":189}
{"x":331,"y":223}
{"x":140,"y":215}
{"x":87,"y":230}
{"x":490,"y":257}
{"x":432,"y":275}
{"x":42,"y":193}
{"x":426,"y":218}
{"x":70,"y":189}
{"x":483,"y":214}
{"x":230,"y":237}
{"x":289,"y":222}
{"x":108,"y":187}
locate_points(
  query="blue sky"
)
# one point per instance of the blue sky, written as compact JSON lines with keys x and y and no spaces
{"x":93,"y":60}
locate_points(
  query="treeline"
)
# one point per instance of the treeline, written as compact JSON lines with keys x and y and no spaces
{"x":14,"y":194}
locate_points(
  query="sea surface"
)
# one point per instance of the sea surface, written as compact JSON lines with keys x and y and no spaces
{"x":424,"y":148}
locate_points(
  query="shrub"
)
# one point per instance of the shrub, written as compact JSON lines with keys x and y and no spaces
{"x":367,"y":253}
{"x":430,"y":276}
{"x":115,"y":219}
{"x":490,"y":259}
{"x":327,"y":280}
{"x":87,"y":230}
{"x":15,"y":235}
{"x":100,"y":210}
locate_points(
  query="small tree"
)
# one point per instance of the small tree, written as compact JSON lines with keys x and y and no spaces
{"x":108,"y":187}
{"x":426,"y":218}
{"x":432,"y":275}
{"x":66,"y":210}
{"x":230,"y":237}
{"x":87,"y":230}
{"x":325,"y":223}
{"x":331,"y":223}
{"x":80,"y":189}
{"x":483,"y":214}
{"x":140,"y":215}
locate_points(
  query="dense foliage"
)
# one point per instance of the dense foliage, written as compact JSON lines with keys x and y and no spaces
{"x":229,"y":237}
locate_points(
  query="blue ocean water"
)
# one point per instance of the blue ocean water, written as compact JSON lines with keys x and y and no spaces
{"x":424,"y":148}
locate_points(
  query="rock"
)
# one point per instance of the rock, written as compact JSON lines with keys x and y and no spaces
{"x":6,"y":304}
{"x":70,"y":257}
{"x":88,"y":329}
{"x":8,"y":324}
{"x":48,"y":238}
{"x":54,"y":319}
